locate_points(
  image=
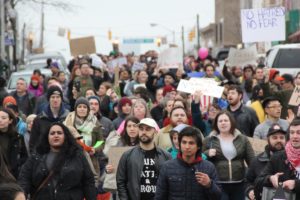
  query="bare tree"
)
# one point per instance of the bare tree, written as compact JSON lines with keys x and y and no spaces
{"x":61,"y":4}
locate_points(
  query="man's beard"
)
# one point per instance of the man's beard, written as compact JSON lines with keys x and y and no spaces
{"x":274,"y":148}
{"x":145,"y":139}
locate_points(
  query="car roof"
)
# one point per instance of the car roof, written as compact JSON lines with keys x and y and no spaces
{"x":26,"y":72}
{"x":286,"y":46}
{"x":44,"y":55}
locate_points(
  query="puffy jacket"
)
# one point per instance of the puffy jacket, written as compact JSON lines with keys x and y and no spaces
{"x":130,"y":169}
{"x":177,"y":182}
{"x":230,"y":171}
{"x":278,"y":163}
{"x":75,"y":180}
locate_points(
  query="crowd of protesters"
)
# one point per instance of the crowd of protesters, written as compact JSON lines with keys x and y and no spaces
{"x":56,"y":132}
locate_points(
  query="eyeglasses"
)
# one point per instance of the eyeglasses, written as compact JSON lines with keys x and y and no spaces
{"x":274,"y":107}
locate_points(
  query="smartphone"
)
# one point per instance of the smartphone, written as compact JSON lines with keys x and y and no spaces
{"x":77,"y":86}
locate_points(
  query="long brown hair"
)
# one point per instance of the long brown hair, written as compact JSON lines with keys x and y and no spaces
{"x":231,"y":119}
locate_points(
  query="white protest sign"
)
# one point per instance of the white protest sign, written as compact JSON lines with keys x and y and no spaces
{"x":96,"y":61}
{"x":263,"y":24}
{"x":170,"y":58}
{"x":295,"y":98}
{"x":208,"y":87}
{"x":242,"y":57}
{"x":185,"y":86}
{"x":116,"y":62}
{"x":122,"y":61}
{"x":137,"y":66}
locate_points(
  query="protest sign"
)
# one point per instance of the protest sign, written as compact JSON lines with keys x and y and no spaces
{"x":116,"y":62}
{"x":114,"y":155}
{"x":185,"y":86}
{"x":258,"y":145}
{"x":170,"y":58}
{"x":96,"y":61}
{"x":82,"y":46}
{"x":295,"y":98}
{"x":207,"y":86}
{"x":263,"y":24}
{"x":242,"y":57}
{"x":137,"y":66}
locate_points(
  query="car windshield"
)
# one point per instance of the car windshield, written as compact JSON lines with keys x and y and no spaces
{"x":13,"y":80}
{"x":287,"y":58}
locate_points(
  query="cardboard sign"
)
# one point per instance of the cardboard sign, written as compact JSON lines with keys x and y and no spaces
{"x":263,"y":24}
{"x":242,"y":57}
{"x":114,"y":154}
{"x":207,"y":86}
{"x":258,"y":145}
{"x":295,"y":98}
{"x":82,"y":46}
{"x":170,"y":58}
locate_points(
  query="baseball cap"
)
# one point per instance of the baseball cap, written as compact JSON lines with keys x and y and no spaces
{"x":275,"y":128}
{"x":179,"y":128}
{"x":149,"y":122}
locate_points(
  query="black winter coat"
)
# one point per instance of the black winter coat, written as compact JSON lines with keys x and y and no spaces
{"x":130,"y":169}
{"x":177,"y":181}
{"x":16,"y":154}
{"x":255,"y":168}
{"x":246,"y":120}
{"x":278,"y":163}
{"x":75,"y":180}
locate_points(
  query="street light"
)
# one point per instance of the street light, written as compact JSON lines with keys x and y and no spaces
{"x":170,"y":30}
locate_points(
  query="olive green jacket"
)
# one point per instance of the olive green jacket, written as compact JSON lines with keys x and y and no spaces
{"x":230,"y":171}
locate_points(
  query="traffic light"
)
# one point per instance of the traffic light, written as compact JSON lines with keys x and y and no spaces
{"x":109,"y":35}
{"x":192,"y":34}
{"x":158,"y":42}
{"x":69,"y":34}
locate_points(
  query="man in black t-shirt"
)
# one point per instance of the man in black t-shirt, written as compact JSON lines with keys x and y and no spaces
{"x":139,"y":167}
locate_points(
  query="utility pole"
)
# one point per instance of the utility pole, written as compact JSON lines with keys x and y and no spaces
{"x":198,"y":32}
{"x":42,"y":26}
{"x":182,"y":37}
{"x":2,"y":29}
{"x":23,"y":43}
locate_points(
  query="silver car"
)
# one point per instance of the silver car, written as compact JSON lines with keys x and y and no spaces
{"x":26,"y":75}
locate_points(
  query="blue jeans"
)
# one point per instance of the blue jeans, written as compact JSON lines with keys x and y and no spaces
{"x":233,"y":191}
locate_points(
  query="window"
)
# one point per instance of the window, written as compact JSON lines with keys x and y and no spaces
{"x":287,"y":58}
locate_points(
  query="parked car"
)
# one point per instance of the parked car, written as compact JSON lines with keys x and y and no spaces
{"x":26,"y":74}
{"x":284,"y":58}
{"x":42,"y":58}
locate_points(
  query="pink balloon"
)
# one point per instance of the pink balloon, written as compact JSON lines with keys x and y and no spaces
{"x":203,"y":53}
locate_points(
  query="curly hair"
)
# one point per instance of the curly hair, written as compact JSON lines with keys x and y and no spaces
{"x":68,"y":149}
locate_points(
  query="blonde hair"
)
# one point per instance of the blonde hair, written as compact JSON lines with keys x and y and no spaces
{"x":30,"y":118}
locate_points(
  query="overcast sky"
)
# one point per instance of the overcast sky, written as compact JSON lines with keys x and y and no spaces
{"x":126,"y":19}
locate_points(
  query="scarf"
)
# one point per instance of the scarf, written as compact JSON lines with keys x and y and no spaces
{"x":85,"y":127}
{"x":293,"y":155}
